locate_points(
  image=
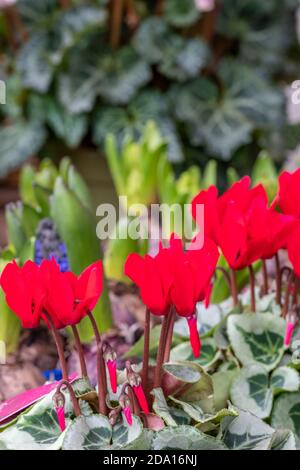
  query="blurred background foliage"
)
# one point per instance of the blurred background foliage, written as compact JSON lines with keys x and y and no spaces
{"x":213,"y":81}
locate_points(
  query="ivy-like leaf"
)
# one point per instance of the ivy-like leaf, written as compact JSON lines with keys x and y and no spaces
{"x":286,"y":414}
{"x":185,"y":438}
{"x":181,"y":13}
{"x":257,"y":339}
{"x":285,"y":379}
{"x":18,"y":142}
{"x":250,"y":391}
{"x":209,"y":353}
{"x":246,"y":432}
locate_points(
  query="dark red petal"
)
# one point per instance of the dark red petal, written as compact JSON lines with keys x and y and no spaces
{"x":194,"y":336}
{"x":112,"y":370}
{"x":141,"y":398}
{"x":128,"y":415}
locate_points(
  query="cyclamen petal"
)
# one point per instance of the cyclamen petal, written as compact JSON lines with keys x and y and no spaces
{"x":288,"y":333}
{"x":112,"y":370}
{"x":139,"y":392}
{"x":60,"y":412}
{"x":194,"y":336}
{"x":128,"y":415}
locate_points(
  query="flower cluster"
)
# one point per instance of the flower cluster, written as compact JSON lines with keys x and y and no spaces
{"x":176,"y":278}
{"x":44,"y":292}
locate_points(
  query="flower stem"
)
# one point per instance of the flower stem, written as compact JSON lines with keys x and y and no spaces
{"x":80,"y":352}
{"x":145,"y":370}
{"x":278,"y":279}
{"x":252,"y":288}
{"x":66,"y":383}
{"x":234,"y":288}
{"x":225,"y":275}
{"x":101,"y":372}
{"x":160,"y":352}
{"x":59,"y":346}
{"x":286,"y":304}
{"x":265,"y":289}
{"x":116,"y":20}
{"x":169,"y":337}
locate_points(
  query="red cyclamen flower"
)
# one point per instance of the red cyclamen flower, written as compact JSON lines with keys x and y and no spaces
{"x":288,"y":197}
{"x":241,"y":223}
{"x":24,"y":293}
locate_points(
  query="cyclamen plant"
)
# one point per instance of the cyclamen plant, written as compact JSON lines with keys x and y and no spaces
{"x":242,"y":226}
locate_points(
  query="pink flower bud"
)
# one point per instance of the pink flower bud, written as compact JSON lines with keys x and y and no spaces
{"x":205,"y":5}
{"x":112,"y":370}
{"x":60,"y":412}
{"x":128,"y":415}
{"x":288,"y":333}
{"x":194,"y":336}
{"x":139,"y":392}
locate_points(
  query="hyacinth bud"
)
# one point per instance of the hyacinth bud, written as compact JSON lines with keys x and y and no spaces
{"x":194,"y":335}
{"x":59,"y":405}
{"x":49,"y":245}
{"x":135,"y":382}
{"x":111,"y":363}
{"x":126,"y":408}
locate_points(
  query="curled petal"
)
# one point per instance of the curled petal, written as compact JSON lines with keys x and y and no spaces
{"x":128,"y":415}
{"x":139,"y":392}
{"x":288,"y":333}
{"x":112,"y":370}
{"x":194,"y":336}
{"x":60,"y":411}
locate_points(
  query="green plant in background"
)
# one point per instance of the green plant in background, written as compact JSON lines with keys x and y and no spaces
{"x":134,"y":166}
{"x":212,"y":82}
{"x":61,"y":195}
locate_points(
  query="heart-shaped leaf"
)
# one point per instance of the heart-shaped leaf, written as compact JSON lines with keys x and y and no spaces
{"x":250,"y":391}
{"x":285,"y":379}
{"x":286,"y":414}
{"x":246,"y":432}
{"x":257,"y":338}
{"x":209,"y":353}
{"x":185,"y":438}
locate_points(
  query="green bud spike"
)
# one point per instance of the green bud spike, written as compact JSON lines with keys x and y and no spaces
{"x":10,"y":326}
{"x":77,"y":228}
{"x":16,"y":234}
{"x":79,"y":187}
{"x":27,"y":177}
{"x":210,"y":174}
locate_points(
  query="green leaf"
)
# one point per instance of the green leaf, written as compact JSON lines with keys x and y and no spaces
{"x":222,"y":381}
{"x":137,"y":349}
{"x":18,"y":142}
{"x":283,"y":439}
{"x":286,"y":414}
{"x":257,"y":338}
{"x":147,"y":105}
{"x":181,"y":14}
{"x":183,"y":370}
{"x":96,"y":433}
{"x":33,"y":432}
{"x":194,"y":410}
{"x":70,"y":128}
{"x":160,"y":407}
{"x":88,"y":433}
{"x":250,"y":391}
{"x":185,"y":438}
{"x":123,"y":75}
{"x":246,"y":432}
{"x":209,"y":353}
{"x":183,"y":59}
{"x":33,"y":65}
{"x":207,"y":321}
{"x":285,"y":379}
